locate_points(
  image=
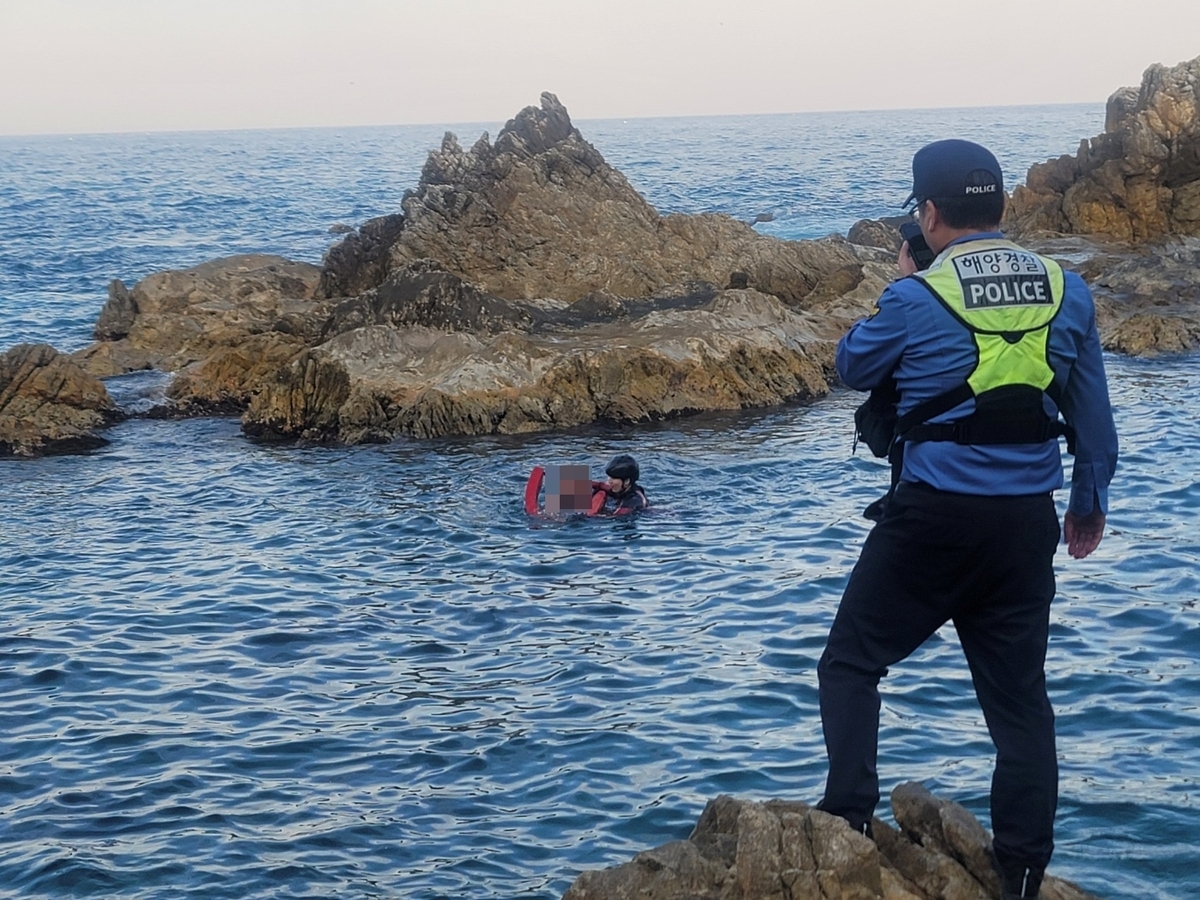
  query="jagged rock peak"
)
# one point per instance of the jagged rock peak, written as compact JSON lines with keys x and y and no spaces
{"x":535,"y":130}
{"x":1121,"y":105}
{"x":540,"y":214}
{"x":447,"y":165}
{"x":1170,"y":99}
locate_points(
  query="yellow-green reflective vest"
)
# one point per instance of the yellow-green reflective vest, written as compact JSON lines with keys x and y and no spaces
{"x":1006,"y":297}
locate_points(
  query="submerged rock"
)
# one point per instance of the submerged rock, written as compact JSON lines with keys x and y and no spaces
{"x":786,"y":850}
{"x":49,"y":404}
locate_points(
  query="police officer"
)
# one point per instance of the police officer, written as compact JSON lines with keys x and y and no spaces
{"x":988,"y":347}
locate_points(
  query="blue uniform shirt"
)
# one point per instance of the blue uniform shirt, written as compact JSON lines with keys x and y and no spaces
{"x":915,"y":338}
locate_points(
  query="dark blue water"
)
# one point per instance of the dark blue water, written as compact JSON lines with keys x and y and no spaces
{"x":234,"y":670}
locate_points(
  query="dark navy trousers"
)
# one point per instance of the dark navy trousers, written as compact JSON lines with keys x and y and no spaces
{"x":985,"y":564}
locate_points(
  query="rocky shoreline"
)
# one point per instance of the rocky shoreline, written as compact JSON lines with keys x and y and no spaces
{"x":526,"y":286}
{"x":786,"y":850}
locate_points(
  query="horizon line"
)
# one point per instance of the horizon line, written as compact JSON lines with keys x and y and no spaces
{"x":252,"y":128}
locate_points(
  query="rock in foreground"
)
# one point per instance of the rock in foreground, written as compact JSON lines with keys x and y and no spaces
{"x":742,"y":850}
{"x":49,"y":404}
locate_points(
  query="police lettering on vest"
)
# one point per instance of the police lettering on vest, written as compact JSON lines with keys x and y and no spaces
{"x":1002,"y":277}
{"x":1006,"y":297}
{"x":997,"y":292}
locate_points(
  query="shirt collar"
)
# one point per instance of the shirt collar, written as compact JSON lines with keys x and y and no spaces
{"x":978,"y":236}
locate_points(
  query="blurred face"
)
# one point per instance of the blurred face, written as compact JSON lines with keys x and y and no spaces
{"x":568,"y":489}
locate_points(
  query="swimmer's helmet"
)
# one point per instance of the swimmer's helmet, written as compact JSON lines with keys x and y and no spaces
{"x":623,"y":466}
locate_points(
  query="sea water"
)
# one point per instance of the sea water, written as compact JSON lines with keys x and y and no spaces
{"x":238,"y":670}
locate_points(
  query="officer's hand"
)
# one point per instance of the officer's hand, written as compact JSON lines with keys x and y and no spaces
{"x":907,"y":265}
{"x":1082,"y":534}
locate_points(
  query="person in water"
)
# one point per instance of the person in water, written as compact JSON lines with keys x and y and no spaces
{"x":625,"y":495}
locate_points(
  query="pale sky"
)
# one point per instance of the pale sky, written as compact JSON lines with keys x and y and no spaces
{"x":69,"y":66}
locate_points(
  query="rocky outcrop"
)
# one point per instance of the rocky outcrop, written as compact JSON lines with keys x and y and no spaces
{"x":781,"y":850}
{"x":225,"y":380}
{"x":118,"y":314}
{"x":1147,"y":296}
{"x":48,"y":404}
{"x":526,"y":287}
{"x":171,"y":320}
{"x":677,"y":354}
{"x":362,"y":260}
{"x":303,"y":399}
{"x":1148,"y":300}
{"x":1151,"y":334}
{"x":1124,"y":212}
{"x":1139,"y":181}
{"x":881,"y":233}
{"x":222,"y":326}
{"x":539,"y":213}
{"x":423,"y":293}
{"x":1132,"y":195}
{"x":531,"y":288}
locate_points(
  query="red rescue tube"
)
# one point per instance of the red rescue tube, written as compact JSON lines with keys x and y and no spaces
{"x":533,"y":490}
{"x":533,"y":487}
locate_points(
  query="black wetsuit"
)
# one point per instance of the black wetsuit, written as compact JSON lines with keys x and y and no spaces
{"x":630,"y":501}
